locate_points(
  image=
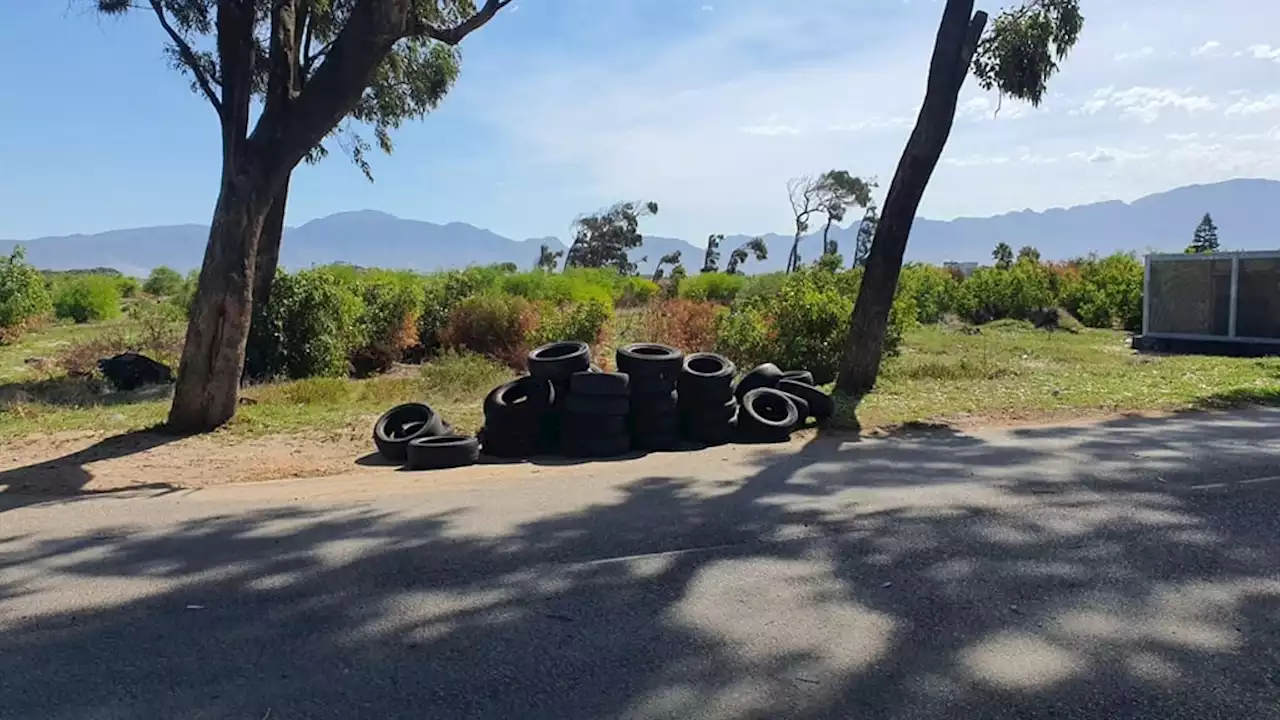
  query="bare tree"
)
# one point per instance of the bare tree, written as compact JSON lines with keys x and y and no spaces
{"x":1017,"y":56}
{"x":805,"y":194}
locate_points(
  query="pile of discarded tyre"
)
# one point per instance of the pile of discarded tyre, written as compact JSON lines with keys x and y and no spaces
{"x":659,"y":399}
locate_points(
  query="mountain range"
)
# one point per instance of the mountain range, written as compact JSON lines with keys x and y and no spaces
{"x":1245,"y":211}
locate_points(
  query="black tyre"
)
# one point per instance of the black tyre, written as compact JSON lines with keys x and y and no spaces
{"x":443,"y":451}
{"x":576,"y":425}
{"x":803,"y":376}
{"x":710,"y":413}
{"x":653,"y":403}
{"x":821,"y":406}
{"x":669,"y":441}
{"x":709,"y":433}
{"x":597,"y":404}
{"x":707,"y":378}
{"x":649,"y":361}
{"x":500,"y":443}
{"x":402,"y":423}
{"x":558,"y":360}
{"x":762,"y":376}
{"x":660,"y":424}
{"x":600,"y":383}
{"x":523,"y":396}
{"x":802,"y":407}
{"x":767,"y":415}
{"x":586,"y":446}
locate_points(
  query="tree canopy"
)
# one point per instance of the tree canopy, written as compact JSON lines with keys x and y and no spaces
{"x":753,"y":247}
{"x":1206,"y":237}
{"x":604,"y":239}
{"x":1003,"y":255}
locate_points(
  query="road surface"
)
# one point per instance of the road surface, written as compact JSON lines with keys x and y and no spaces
{"x":1124,"y":569}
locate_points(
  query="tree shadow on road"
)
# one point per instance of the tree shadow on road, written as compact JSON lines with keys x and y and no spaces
{"x":882,"y":578}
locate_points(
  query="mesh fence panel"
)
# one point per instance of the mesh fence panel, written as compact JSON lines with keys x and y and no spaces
{"x":1258,"y":294}
{"x":1191,"y":297}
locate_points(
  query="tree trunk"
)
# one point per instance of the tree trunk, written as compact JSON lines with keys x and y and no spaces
{"x":826,"y":231}
{"x":952,"y":54}
{"x":213,"y":356}
{"x":264,"y":271}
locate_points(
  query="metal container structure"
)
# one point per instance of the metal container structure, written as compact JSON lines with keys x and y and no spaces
{"x":1232,"y":298}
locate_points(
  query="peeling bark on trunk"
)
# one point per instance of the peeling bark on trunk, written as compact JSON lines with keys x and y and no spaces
{"x":952,"y":55}
{"x":213,"y":356}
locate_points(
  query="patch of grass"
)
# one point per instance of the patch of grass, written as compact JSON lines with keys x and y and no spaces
{"x":459,"y":376}
{"x":1012,"y":372}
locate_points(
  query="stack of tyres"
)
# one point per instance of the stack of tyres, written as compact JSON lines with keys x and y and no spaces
{"x":707,"y":406}
{"x":654,"y":370}
{"x":515,"y":417}
{"x":556,"y":363}
{"x":767,"y":416}
{"x":594,"y":423}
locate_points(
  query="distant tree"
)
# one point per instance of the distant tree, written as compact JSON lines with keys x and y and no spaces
{"x":711,"y":260}
{"x":605,"y":238}
{"x":672,"y":258}
{"x":838,"y":191}
{"x":803,"y":192}
{"x":755,"y":246}
{"x":548,"y":259}
{"x":163,"y":282}
{"x":1029,"y":254}
{"x":1016,"y":57}
{"x":1206,"y":237}
{"x":505,"y":267}
{"x":866,"y":231}
{"x":1003,"y":255}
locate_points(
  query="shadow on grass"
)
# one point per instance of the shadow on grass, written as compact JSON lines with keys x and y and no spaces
{"x":79,"y":392}
{"x":884,"y":578}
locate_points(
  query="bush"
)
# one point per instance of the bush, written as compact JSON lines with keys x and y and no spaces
{"x":685,"y":324}
{"x":712,"y":287}
{"x":87,"y":298}
{"x":755,"y":286}
{"x":392,"y":303}
{"x":805,"y":324}
{"x":584,"y":322}
{"x":932,"y":289}
{"x":497,"y":326}
{"x":129,"y":286}
{"x":163,"y":282}
{"x":442,"y":293}
{"x":577,"y":285}
{"x":308,"y":328}
{"x":461,"y":376}
{"x":634,"y":291}
{"x":1016,"y":293}
{"x":1105,"y":293}
{"x":24,"y":297}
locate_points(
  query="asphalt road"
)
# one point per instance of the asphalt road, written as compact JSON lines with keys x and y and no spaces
{"x":1127,"y":569}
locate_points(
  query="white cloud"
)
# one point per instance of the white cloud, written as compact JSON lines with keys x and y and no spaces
{"x":712,"y":124}
{"x":1264,"y":52}
{"x":1138,"y":54}
{"x":1213,"y":47}
{"x":1246,"y":106}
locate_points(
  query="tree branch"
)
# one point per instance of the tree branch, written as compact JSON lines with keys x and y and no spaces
{"x":188,"y":57}
{"x":454,"y":35}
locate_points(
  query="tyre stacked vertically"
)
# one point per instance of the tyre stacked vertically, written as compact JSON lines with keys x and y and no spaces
{"x":594,"y":422}
{"x":654,"y":371}
{"x":556,"y":363}
{"x":707,"y":406}
{"x":516,"y":415}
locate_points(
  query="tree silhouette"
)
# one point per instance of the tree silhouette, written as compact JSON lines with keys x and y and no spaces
{"x":1206,"y":237}
{"x":605,"y":238}
{"x":1003,"y":255}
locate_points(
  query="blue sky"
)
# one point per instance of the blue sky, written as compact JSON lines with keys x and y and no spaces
{"x":564,"y":106}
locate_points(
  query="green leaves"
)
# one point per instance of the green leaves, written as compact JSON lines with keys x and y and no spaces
{"x":1021,"y":49}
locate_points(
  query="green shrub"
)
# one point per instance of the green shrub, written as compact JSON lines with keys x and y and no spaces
{"x":932,"y":289}
{"x":755,"y":286}
{"x":497,"y":326}
{"x":163,"y":282}
{"x":633,"y":291}
{"x":24,"y":297}
{"x":1017,"y":293}
{"x":583,"y":321}
{"x":392,"y":303}
{"x":576,"y":285}
{"x":87,"y":298}
{"x":442,"y":293}
{"x":129,"y":286}
{"x":712,"y":287}
{"x":308,"y":328}
{"x":805,"y":324}
{"x":461,"y":376}
{"x":1105,"y":293}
